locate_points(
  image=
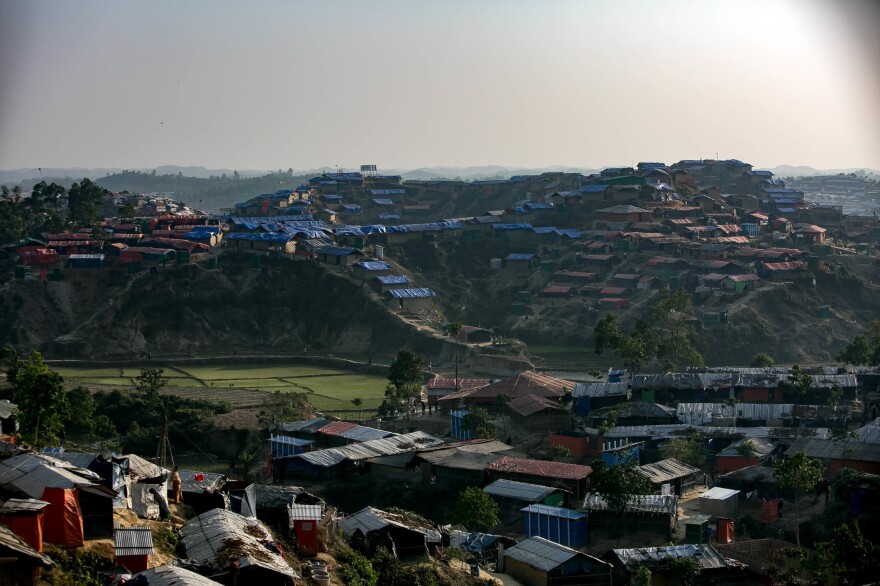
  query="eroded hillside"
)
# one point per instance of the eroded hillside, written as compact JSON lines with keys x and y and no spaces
{"x":283,"y":307}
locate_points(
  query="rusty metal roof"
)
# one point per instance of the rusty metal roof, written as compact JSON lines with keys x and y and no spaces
{"x":528,"y":467}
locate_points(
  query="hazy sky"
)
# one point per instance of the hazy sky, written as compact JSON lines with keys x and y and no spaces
{"x":403,"y":84}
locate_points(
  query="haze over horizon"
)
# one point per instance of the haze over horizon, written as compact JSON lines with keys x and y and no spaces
{"x":452,"y":84}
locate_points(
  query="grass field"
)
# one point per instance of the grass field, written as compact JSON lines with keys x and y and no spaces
{"x":331,"y":384}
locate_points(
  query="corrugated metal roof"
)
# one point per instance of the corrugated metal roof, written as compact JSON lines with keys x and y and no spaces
{"x":760,"y":447}
{"x":643,"y":503}
{"x":369,"y":519}
{"x":204,"y":536}
{"x":133,"y":540}
{"x":541,"y":554}
{"x":393,"y":280}
{"x":665,"y":470}
{"x":22,"y":505}
{"x":832,"y":450}
{"x":700,"y":413}
{"x":304,"y":425}
{"x":370,"y":449}
{"x":373,"y":265}
{"x":336,"y":427}
{"x":553,"y":511}
{"x":306,"y":512}
{"x":12,"y":541}
{"x":457,"y":459}
{"x":672,"y":430}
{"x":600,"y":389}
{"x":870,"y":433}
{"x":719,"y":494}
{"x":361,"y":433}
{"x":751,"y":474}
{"x":530,"y":404}
{"x":416,"y":293}
{"x":559,"y":470}
{"x":522,"y":491}
{"x":705,"y":555}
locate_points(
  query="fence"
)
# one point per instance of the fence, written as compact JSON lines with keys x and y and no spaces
{"x":345,"y":409}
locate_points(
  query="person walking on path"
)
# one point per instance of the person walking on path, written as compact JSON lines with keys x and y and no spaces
{"x":176,"y":495}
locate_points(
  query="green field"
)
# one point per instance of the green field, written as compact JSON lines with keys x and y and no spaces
{"x":332,"y":384}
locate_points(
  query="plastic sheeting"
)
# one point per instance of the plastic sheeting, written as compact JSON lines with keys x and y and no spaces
{"x":63,"y":523}
{"x":142,"y":502}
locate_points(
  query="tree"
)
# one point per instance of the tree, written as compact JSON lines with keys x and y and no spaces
{"x":796,"y":385}
{"x":42,"y":401}
{"x":454,"y":329}
{"x":731,"y":403}
{"x":83,"y":201}
{"x":150,"y":382}
{"x":642,"y":577}
{"x":475,"y":509}
{"x":762,"y":360}
{"x":689,"y":451}
{"x":618,"y":484}
{"x":849,"y":556}
{"x":747,"y":449}
{"x":404,"y":383}
{"x":858,"y":352}
{"x":127,"y":211}
{"x":799,"y":473}
{"x":479,"y":423}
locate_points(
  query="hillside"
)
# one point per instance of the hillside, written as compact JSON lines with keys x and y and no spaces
{"x":283,"y":308}
{"x":782,"y":319}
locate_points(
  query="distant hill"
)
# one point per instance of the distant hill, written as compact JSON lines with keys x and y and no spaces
{"x":805,"y":171}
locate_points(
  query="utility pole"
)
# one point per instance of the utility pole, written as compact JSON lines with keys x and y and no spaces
{"x":164,"y":449}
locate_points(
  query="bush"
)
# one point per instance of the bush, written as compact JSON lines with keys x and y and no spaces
{"x":354,"y":569}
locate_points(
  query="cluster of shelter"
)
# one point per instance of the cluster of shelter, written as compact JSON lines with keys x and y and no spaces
{"x":64,"y":499}
{"x":548,"y":505}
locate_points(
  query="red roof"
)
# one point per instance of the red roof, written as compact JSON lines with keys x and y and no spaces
{"x":463,"y":383}
{"x":576,"y":275}
{"x":599,"y":257}
{"x":528,"y":382}
{"x":612,"y":291}
{"x":560,"y":470}
{"x":530,"y":404}
{"x":557,"y":289}
{"x":337,"y":428}
{"x":743,"y":278}
{"x":783,"y":266}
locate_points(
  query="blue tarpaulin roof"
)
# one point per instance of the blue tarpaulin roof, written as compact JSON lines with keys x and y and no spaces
{"x":520,"y":256}
{"x":351,"y":207}
{"x":336,"y":250}
{"x":593,"y":188}
{"x":389,"y":216}
{"x":511,"y":226}
{"x":538,"y":206}
{"x":412,"y":293}
{"x":393,"y":280}
{"x":387,"y":191}
{"x":261,"y":237}
{"x":369,"y":265}
{"x":332,"y":197}
{"x":382,"y":201}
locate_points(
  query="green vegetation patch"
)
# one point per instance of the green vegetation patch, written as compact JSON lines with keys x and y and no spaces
{"x":348,"y":386}
{"x":256,"y":371}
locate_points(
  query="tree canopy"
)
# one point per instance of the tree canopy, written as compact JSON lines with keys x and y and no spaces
{"x":687,"y":450}
{"x":665,"y":339}
{"x":405,"y":381}
{"x":799,"y":473}
{"x":84,"y":200}
{"x":42,"y":401}
{"x":475,"y":509}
